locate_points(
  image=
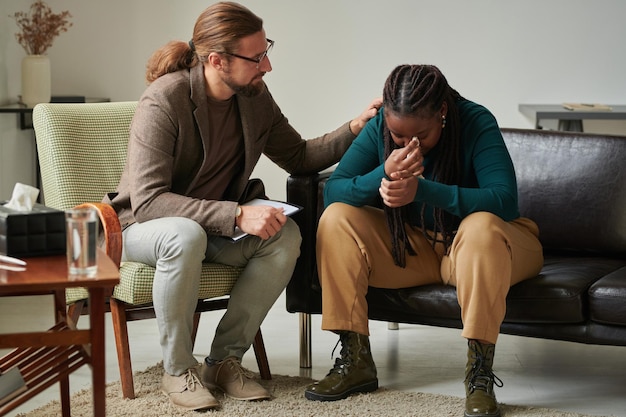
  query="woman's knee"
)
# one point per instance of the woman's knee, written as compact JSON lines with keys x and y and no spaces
{"x":480,"y":228}
{"x":480,"y":221}
{"x":336,"y":215}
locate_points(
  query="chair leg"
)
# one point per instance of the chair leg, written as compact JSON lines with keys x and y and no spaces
{"x":261,"y":356}
{"x":120,"y":329}
{"x":305,"y":340}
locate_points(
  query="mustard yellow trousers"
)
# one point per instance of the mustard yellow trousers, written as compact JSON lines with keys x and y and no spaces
{"x":487,"y":257}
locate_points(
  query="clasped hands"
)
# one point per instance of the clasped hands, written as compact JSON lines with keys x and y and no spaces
{"x":261,"y":221}
{"x":403,"y":167}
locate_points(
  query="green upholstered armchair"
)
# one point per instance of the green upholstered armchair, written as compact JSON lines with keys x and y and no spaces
{"x":82,"y":151}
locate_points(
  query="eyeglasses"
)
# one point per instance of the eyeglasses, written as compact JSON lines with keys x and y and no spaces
{"x":258,"y":59}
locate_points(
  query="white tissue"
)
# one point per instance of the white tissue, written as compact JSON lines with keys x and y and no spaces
{"x":24,"y":197}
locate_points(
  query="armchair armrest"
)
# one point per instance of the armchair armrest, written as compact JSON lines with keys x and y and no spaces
{"x":303,"y":292}
{"x":111,"y":230}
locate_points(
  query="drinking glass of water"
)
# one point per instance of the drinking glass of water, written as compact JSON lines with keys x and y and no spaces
{"x":82,"y":238}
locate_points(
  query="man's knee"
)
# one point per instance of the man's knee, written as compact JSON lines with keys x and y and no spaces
{"x":183,"y":235}
{"x":290,"y":237}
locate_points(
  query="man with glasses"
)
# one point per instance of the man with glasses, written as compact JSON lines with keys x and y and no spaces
{"x":257,"y":60}
{"x":198,"y":132}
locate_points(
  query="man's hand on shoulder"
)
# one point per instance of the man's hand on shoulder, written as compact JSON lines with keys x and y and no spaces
{"x":359,"y":122}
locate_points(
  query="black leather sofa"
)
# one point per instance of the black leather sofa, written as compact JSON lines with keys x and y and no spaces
{"x":574,"y":186}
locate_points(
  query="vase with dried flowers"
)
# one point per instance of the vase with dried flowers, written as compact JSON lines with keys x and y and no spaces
{"x":38,"y":28}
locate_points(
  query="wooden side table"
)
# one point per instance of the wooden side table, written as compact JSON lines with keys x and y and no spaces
{"x":50,"y":356}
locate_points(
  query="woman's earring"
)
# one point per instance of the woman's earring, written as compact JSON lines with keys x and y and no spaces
{"x":443,"y":121}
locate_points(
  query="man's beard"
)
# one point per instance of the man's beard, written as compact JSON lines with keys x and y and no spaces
{"x":248,"y":90}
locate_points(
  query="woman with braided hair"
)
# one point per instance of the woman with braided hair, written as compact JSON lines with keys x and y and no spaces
{"x":425,"y":194}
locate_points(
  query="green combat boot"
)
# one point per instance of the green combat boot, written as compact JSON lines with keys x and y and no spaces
{"x":353,"y":372}
{"x":480,"y":400}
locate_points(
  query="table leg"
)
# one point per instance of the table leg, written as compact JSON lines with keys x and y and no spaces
{"x":60,"y":315}
{"x":571,"y":125}
{"x":64,"y":386}
{"x":96,"y":318}
{"x":565,"y":125}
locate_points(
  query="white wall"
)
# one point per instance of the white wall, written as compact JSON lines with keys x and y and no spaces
{"x":332,"y":57}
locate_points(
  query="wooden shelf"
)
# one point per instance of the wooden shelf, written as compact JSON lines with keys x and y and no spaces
{"x":43,"y":366}
{"x":25,"y":113}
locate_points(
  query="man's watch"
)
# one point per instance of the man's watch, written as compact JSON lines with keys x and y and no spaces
{"x":238,"y":212}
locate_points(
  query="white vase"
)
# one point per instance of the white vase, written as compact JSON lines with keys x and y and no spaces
{"x":36,"y":80}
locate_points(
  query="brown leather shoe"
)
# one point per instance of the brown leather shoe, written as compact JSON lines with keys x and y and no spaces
{"x":233,"y":379}
{"x":480,"y":399}
{"x":354,"y":371}
{"x":186,"y":391}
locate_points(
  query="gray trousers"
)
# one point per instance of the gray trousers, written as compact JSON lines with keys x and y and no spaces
{"x":176,"y":247}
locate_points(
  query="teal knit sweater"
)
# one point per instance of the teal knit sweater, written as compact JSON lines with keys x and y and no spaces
{"x":488,"y":176}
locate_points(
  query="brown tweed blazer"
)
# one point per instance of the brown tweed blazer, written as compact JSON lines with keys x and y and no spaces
{"x":165,"y":152}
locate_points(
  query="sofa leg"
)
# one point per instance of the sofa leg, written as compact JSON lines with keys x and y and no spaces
{"x":305,"y":340}
{"x":392,"y":325}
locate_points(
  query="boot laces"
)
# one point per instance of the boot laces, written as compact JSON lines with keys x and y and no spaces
{"x":481,"y":377}
{"x":192,"y":380}
{"x":344,"y":357}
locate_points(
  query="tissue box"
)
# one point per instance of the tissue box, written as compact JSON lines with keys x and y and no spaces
{"x":38,"y":232}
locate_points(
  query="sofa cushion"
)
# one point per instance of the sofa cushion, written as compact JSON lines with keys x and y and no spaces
{"x":607,"y":299}
{"x":559,"y":293}
{"x":556,"y":295}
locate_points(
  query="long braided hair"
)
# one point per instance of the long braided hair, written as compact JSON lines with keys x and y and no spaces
{"x":421,"y":90}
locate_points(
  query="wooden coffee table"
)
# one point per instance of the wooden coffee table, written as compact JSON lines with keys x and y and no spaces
{"x":47,"y":357}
